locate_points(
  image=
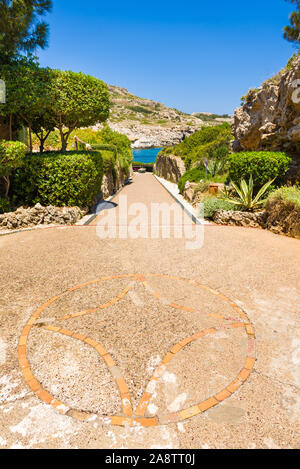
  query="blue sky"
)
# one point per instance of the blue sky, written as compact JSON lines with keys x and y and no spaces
{"x":194,"y":55}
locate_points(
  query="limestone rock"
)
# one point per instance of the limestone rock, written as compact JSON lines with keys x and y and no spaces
{"x":189,"y":191}
{"x":38,"y":215}
{"x":231,"y":217}
{"x":169,"y":167}
{"x":269,"y":119}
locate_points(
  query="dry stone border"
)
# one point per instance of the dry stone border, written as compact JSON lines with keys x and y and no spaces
{"x":39,"y":215}
{"x":237,"y":218}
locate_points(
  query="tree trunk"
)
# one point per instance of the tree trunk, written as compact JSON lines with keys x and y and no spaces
{"x":30,"y":139}
{"x":10,"y":127}
{"x":7,"y":183}
{"x":64,"y":139}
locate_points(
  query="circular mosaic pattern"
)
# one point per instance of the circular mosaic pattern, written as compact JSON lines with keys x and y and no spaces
{"x":137,"y":416}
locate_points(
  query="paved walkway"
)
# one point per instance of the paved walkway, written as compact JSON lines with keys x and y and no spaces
{"x":143,"y":343}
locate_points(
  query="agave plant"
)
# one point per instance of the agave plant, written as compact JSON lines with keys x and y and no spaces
{"x":245,"y":194}
{"x":215,"y":167}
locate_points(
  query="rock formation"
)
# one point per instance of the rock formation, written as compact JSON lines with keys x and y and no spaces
{"x":231,"y":217}
{"x":270,"y":117}
{"x":169,"y":167}
{"x":39,"y":215}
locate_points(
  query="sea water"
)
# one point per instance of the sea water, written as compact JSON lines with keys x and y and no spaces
{"x":145,"y":155}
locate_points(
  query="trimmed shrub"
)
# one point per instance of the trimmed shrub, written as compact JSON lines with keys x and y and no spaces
{"x":111,"y":148}
{"x":4,"y":205}
{"x":212,"y":204}
{"x":59,"y":178}
{"x":263,"y":165}
{"x":11,"y":157}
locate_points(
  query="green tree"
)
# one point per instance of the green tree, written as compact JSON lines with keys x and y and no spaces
{"x":28,"y":97}
{"x":11,"y":157}
{"x":21,"y":28}
{"x":77,"y":100}
{"x":292,"y":32}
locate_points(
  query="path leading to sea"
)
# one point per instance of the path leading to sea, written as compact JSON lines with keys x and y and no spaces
{"x":143,"y":343}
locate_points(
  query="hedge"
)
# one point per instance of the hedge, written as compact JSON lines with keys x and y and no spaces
{"x":263,"y":165}
{"x":59,"y":178}
{"x":4,"y":205}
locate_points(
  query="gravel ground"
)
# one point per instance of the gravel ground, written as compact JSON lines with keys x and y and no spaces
{"x":257,"y":270}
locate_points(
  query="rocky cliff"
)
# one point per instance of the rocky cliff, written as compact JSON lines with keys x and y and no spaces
{"x":169,"y":167}
{"x":269,"y":119}
{"x":151,"y":124}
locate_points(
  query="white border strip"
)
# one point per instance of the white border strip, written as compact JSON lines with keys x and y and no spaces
{"x":173,"y":190}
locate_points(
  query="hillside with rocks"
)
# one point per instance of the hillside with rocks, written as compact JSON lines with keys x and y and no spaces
{"x":269,"y":119}
{"x":150,"y":124}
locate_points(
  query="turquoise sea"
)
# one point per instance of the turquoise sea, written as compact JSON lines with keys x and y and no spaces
{"x":145,"y":155}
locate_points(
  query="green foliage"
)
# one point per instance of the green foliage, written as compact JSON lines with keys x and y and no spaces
{"x":21,"y":29}
{"x":27,"y":99}
{"x":77,"y":100}
{"x":60,"y":179}
{"x":140,"y":109}
{"x":192,"y":175}
{"x":262,"y":165}
{"x":212,"y":204}
{"x":45,"y":99}
{"x":201,"y":187}
{"x":11,"y":156}
{"x":208,"y":142}
{"x":140,"y":163}
{"x":4,"y":205}
{"x":210,"y":117}
{"x":292,"y":32}
{"x":245,"y":198}
{"x":121,"y":143}
{"x":215,"y":167}
{"x":287,"y":194}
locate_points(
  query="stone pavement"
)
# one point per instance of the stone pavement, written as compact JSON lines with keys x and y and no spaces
{"x":143,"y":343}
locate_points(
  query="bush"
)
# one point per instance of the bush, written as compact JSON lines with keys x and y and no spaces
{"x":283,"y":211}
{"x":11,"y":157}
{"x":4,"y":205}
{"x":107,"y":139}
{"x":288,"y":195}
{"x":263,"y":165}
{"x":208,"y":142}
{"x":212,"y":204}
{"x":59,"y":178}
{"x":192,"y":175}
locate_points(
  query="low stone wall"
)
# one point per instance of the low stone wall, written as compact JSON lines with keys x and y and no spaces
{"x":283,"y":218}
{"x":110,"y":184}
{"x":231,"y":217}
{"x":39,"y":215}
{"x":169,"y":167}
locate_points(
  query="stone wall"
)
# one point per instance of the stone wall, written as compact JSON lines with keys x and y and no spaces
{"x":111,"y":184}
{"x":232,"y":217}
{"x":169,"y":167}
{"x":278,"y":217}
{"x":39,"y":215}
